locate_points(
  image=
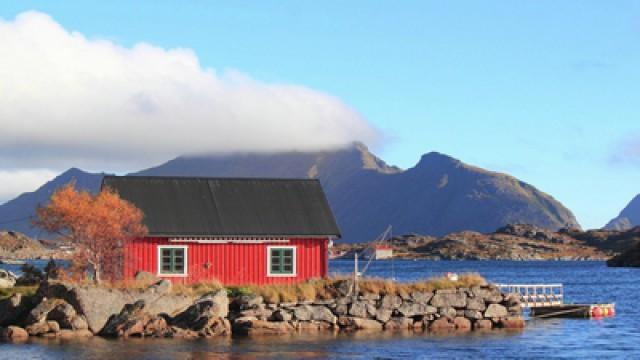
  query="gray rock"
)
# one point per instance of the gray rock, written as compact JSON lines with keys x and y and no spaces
{"x":358,"y":309}
{"x":302,"y":313}
{"x":341,"y":310}
{"x":322,"y":313}
{"x":64,"y":314}
{"x":473,"y":314}
{"x":14,"y":333}
{"x":489,"y":294}
{"x":129,"y":322}
{"x":344,"y":301}
{"x":448,"y":312}
{"x":79,"y":323}
{"x":205,"y":315}
{"x":496,"y":311}
{"x":421,"y":297}
{"x":281,"y":315}
{"x":369,"y":296}
{"x":40,"y":312}
{"x":455,"y":299}
{"x":383,"y":315}
{"x":97,"y":304}
{"x":250,"y":301}
{"x":356,"y":323}
{"x":411,"y":309}
{"x":476,"y":303}
{"x":391,"y":302}
{"x":344,"y":287}
{"x":38,"y":328}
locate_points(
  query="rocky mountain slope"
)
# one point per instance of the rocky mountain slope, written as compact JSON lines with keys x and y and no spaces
{"x":16,"y":214}
{"x":512,"y":242}
{"x":20,"y":246}
{"x":439,"y":195}
{"x":628,"y":218}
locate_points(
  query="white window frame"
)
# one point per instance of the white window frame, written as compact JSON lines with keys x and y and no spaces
{"x":294,"y":259}
{"x":186,"y":260}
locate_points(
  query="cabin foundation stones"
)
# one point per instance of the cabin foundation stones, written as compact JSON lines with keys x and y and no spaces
{"x":62,"y":311}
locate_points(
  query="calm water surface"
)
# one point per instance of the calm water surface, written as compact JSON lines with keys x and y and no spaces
{"x":587,"y":282}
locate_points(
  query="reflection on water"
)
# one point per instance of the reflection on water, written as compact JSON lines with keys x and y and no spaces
{"x":617,"y":337}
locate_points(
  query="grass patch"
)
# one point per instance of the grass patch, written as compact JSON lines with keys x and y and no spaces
{"x":27,"y":290}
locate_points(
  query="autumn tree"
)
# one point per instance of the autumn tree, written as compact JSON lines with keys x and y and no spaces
{"x":97,"y":225}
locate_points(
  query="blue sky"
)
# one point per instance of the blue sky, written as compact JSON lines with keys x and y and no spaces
{"x":546,"y":91}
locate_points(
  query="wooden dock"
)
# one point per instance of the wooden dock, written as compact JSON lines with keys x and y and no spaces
{"x":547,"y":301}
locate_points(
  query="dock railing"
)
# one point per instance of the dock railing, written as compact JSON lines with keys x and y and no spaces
{"x":536,"y":295}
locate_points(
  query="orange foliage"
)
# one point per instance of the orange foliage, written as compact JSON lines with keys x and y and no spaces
{"x":98,"y":226}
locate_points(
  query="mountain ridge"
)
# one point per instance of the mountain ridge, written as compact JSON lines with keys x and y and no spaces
{"x":628,"y":218}
{"x":437,"y":196}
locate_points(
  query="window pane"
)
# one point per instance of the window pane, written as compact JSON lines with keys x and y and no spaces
{"x":166,"y":252}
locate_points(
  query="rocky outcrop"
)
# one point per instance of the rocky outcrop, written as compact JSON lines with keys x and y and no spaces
{"x":511,"y":242}
{"x":629,"y":258}
{"x":462,"y":309}
{"x":98,"y":304}
{"x":63,"y":313}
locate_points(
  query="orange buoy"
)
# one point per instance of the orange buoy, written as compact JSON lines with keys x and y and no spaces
{"x":596,"y":311}
{"x":612,"y":311}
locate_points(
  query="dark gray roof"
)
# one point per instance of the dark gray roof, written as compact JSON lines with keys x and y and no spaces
{"x":190,"y":206}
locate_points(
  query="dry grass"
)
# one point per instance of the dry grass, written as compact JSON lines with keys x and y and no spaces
{"x":326,"y":288}
{"x":27,"y":290}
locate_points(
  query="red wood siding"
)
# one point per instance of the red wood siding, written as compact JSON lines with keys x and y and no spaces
{"x":232,"y":264}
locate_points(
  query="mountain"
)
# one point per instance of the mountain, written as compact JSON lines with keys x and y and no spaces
{"x":439,"y":195}
{"x":628,"y":218}
{"x":16,"y":214}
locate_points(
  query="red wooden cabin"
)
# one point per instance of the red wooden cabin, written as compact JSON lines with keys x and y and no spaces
{"x":235,"y":230}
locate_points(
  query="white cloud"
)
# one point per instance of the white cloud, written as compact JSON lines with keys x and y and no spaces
{"x":16,"y":182}
{"x":66,"y":100}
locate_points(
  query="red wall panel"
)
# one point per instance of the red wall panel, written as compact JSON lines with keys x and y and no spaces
{"x":232,"y":264}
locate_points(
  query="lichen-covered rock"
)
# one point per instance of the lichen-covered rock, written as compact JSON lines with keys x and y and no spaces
{"x":421,"y":297}
{"x":448,"y":312}
{"x":476,"y":303}
{"x":321,"y":313}
{"x":64,"y":314}
{"x":489,"y":294}
{"x":412,"y":309}
{"x":495,"y":311}
{"x":302,"y":313}
{"x":391,"y":302}
{"x":383,"y":315}
{"x":473,"y":314}
{"x":205,"y":315}
{"x":358,"y":309}
{"x":98,"y":304}
{"x":448,"y":299}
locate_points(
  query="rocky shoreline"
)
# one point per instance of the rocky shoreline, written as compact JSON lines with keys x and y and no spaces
{"x":67,"y":311}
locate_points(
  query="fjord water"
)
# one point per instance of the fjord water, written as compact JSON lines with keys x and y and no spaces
{"x":585,"y":282}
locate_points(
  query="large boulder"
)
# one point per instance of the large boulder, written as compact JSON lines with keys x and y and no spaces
{"x":490,"y":294}
{"x":302,"y":313}
{"x":391,"y":302}
{"x":245,"y":326}
{"x":421,"y":297}
{"x":413,"y":309}
{"x":399,"y":323}
{"x":98,"y":304}
{"x":476,"y":303}
{"x":13,"y":333}
{"x":206,"y":316}
{"x":355,"y":323}
{"x":495,"y":311}
{"x":64,"y":314}
{"x":359,"y":309}
{"x":131,"y":321}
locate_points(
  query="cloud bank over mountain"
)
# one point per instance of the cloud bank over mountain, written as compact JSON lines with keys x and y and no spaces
{"x":69,"y":100}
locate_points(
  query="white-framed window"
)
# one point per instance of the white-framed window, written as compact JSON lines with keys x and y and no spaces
{"x":281,"y":261}
{"x":172,"y":260}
